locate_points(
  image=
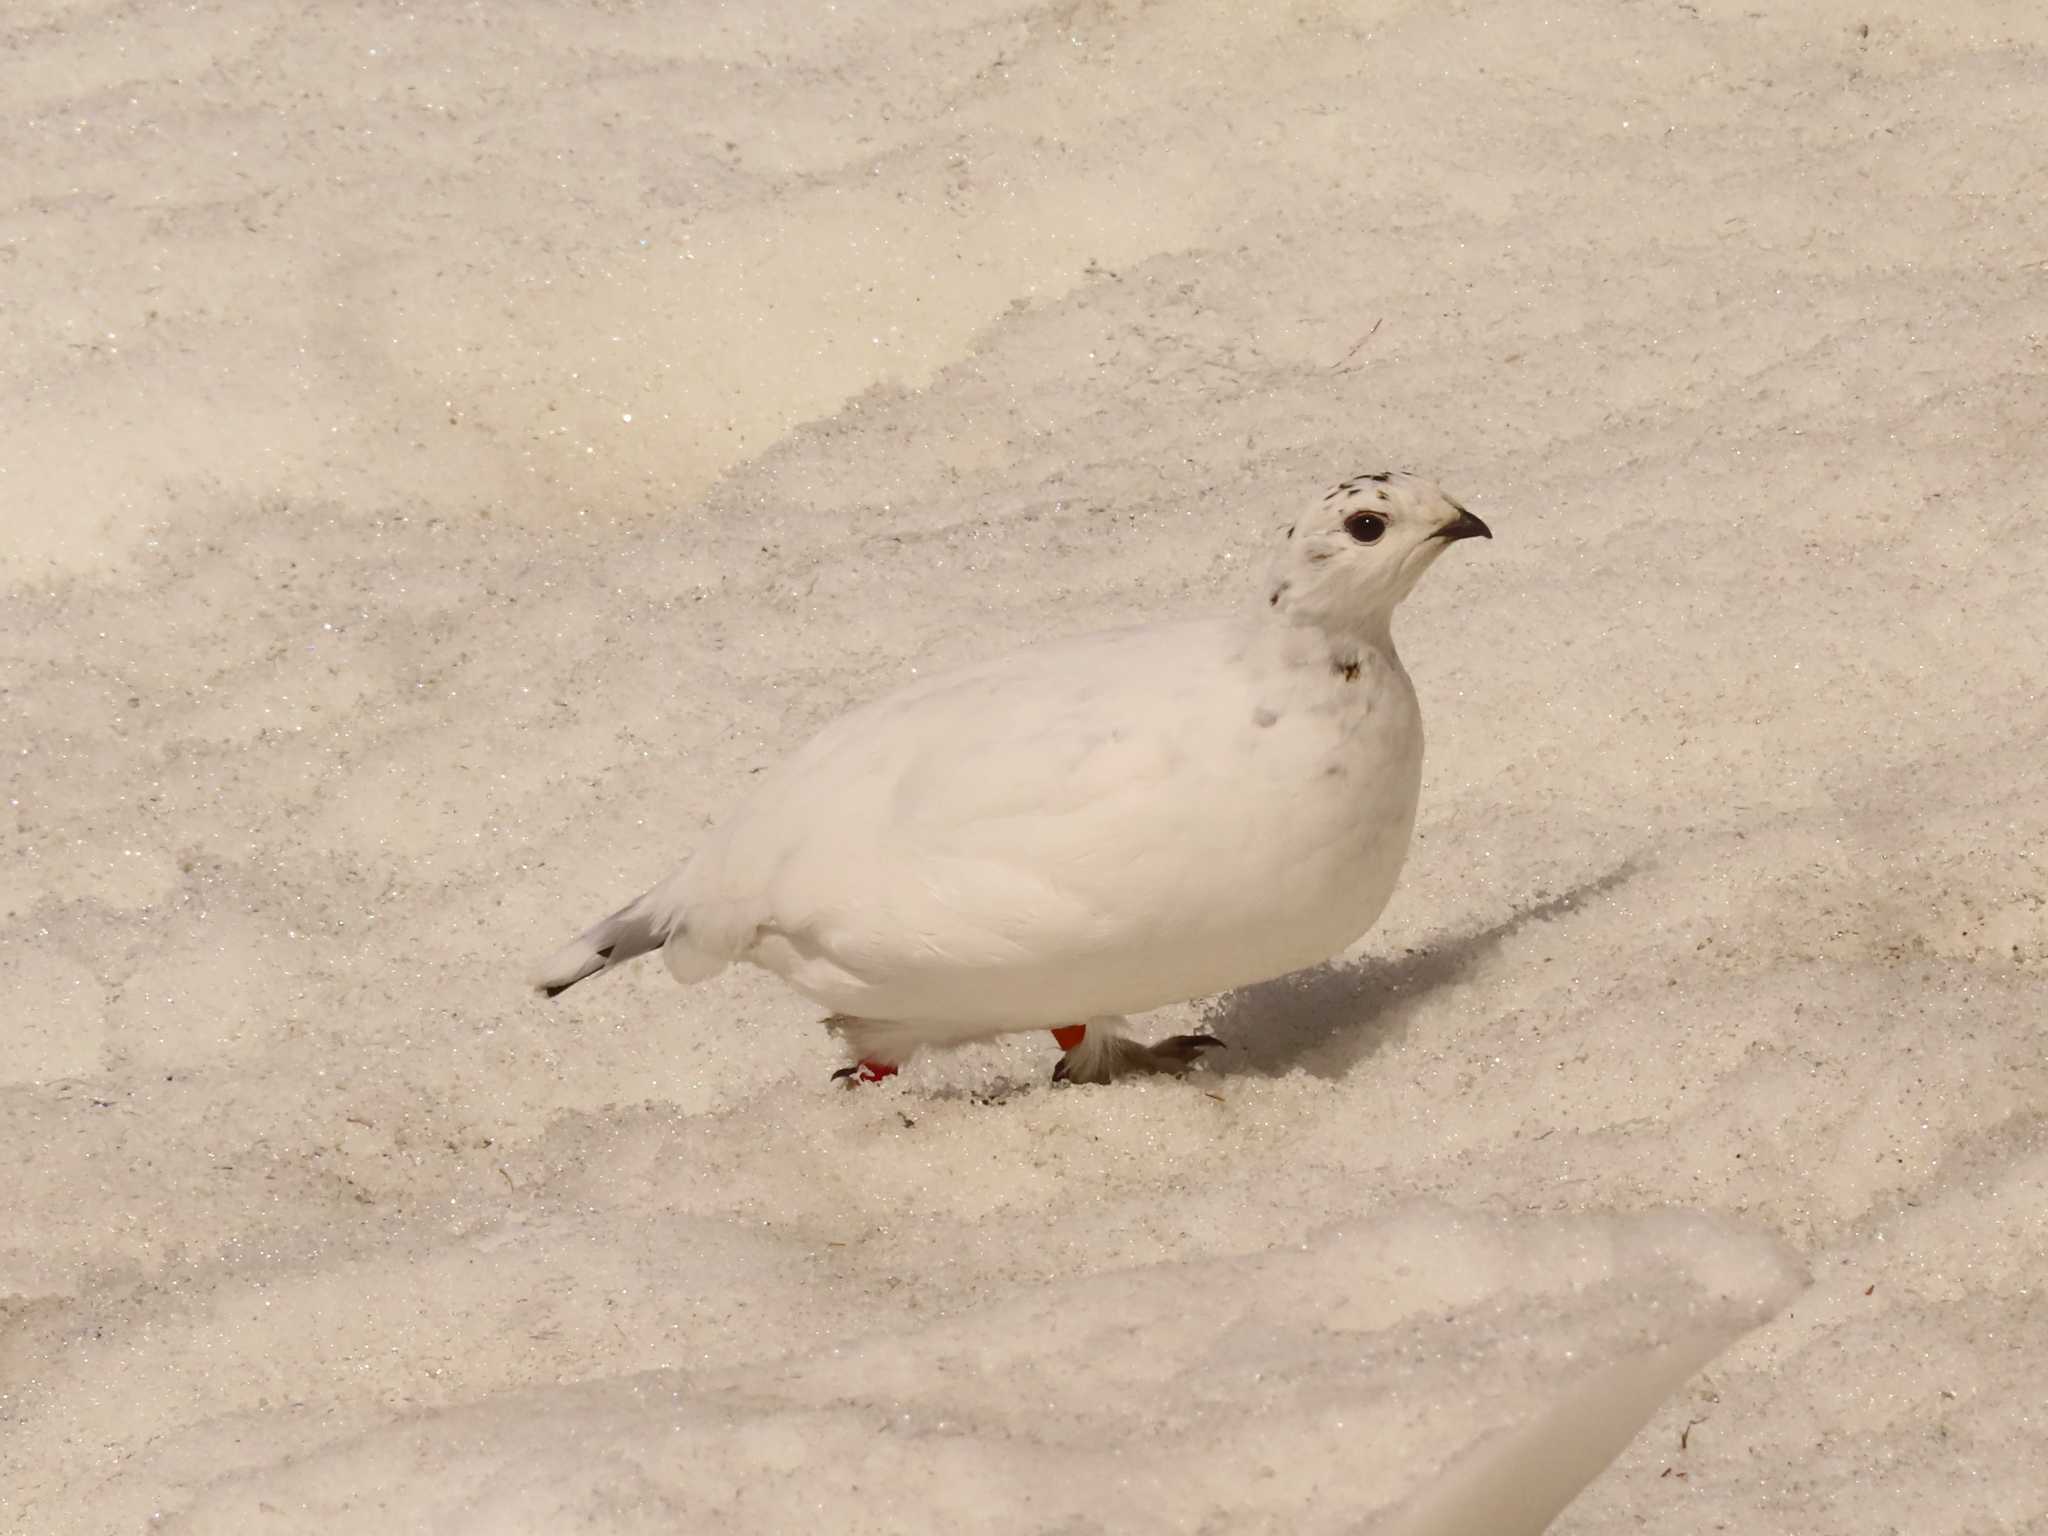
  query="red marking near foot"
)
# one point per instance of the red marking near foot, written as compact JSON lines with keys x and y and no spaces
{"x":1070,"y":1035}
{"x":875,"y":1071}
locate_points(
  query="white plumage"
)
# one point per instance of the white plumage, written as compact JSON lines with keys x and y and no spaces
{"x":1087,"y":828}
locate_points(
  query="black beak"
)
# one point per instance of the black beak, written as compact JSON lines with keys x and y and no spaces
{"x":1463,"y":526}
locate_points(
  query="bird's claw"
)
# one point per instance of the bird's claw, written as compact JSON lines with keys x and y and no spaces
{"x":864,"y":1072}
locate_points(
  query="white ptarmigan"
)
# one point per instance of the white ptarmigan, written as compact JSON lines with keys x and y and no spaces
{"x":1084,"y":829}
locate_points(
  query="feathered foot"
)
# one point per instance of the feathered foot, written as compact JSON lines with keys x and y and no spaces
{"x":880,"y":1048}
{"x":1098,"y":1051}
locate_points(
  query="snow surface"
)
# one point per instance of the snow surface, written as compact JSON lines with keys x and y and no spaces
{"x":444,"y":453}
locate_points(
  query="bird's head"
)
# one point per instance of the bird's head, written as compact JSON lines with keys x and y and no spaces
{"x":1347,"y":562}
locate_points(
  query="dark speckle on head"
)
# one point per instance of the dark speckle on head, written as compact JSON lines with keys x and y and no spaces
{"x":1379,"y":479}
{"x":1290,"y":526}
{"x":1279,"y":592}
{"x":1348,"y":670}
{"x":1263,"y":717}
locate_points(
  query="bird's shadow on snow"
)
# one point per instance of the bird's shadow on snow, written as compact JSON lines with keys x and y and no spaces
{"x":1326,"y":1020}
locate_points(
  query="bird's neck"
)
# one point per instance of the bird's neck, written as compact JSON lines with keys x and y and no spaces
{"x":1358,"y":642}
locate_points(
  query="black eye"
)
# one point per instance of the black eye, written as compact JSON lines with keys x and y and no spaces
{"x":1366,"y":527}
